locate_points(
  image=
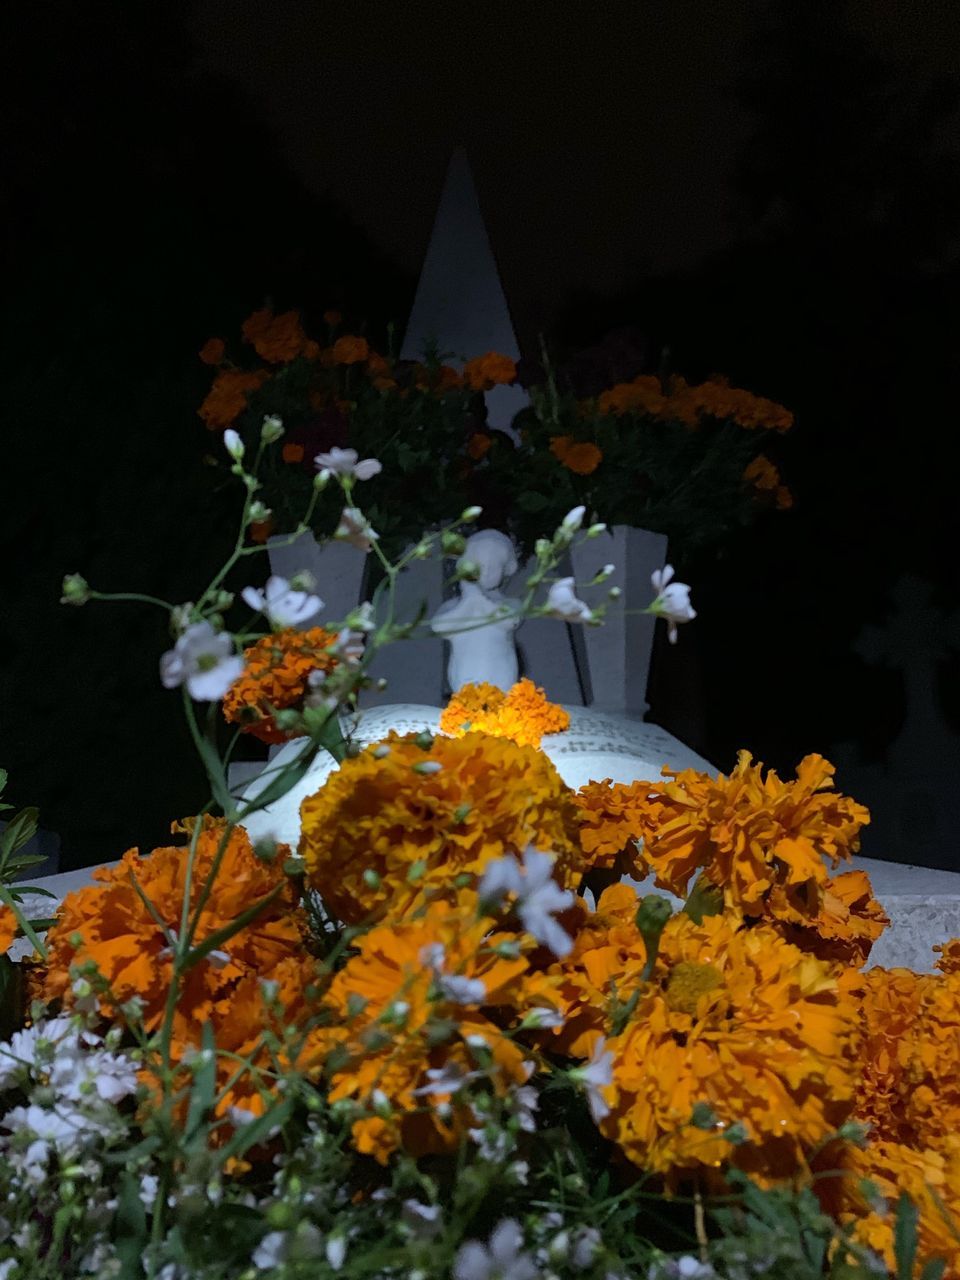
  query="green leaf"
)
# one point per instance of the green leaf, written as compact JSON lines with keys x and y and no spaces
{"x":204,"y":1087}
{"x":131,"y":1228}
{"x":26,"y":927}
{"x":249,"y":1135}
{"x":934,"y":1269}
{"x":532,"y":502}
{"x":21,"y":828}
{"x":905,"y":1237}
{"x":704,"y":899}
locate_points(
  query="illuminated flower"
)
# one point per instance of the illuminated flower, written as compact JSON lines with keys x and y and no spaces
{"x":343,"y":462}
{"x":523,"y":714}
{"x":227,"y":397}
{"x":949,"y":961}
{"x":401,"y":1041}
{"x":849,"y":921}
{"x":384,"y":828}
{"x":203,"y":659}
{"x":742,"y":1023}
{"x":8,"y":929}
{"x":930,"y":1060}
{"x":491,"y":370}
{"x":276,"y":675}
{"x":563,"y":602}
{"x":277,"y":339}
{"x":751,"y":835}
{"x":890,"y":1002}
{"x":283,"y":606}
{"x":355,"y":528}
{"x":672,"y":601}
{"x":612,"y":819}
{"x":212,"y":351}
{"x":579,"y":456}
{"x":350,"y":350}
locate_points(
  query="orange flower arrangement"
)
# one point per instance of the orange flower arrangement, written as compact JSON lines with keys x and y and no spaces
{"x":582,"y":457}
{"x":274,"y":678}
{"x":276,"y":339}
{"x":758,"y":839}
{"x":522,"y":714}
{"x":395,"y":1022}
{"x":742,"y":1021}
{"x":403,"y":820}
{"x":8,"y":929}
{"x":227,"y":397}
{"x":612,"y":819}
{"x":350,"y":349}
{"x":685,"y":403}
{"x":491,"y":370}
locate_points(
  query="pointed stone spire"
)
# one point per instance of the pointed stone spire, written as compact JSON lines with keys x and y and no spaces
{"x":460,"y":303}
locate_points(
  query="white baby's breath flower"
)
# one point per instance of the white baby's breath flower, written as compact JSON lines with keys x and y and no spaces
{"x":563,"y":602}
{"x":424,"y":1221}
{"x":355,"y":528}
{"x":233,"y":444}
{"x":672,"y":601}
{"x":344,"y":462}
{"x":284,"y":606}
{"x":500,"y":1259}
{"x":538,"y":896}
{"x":204,"y":660}
{"x":573,"y":519}
{"x":596,"y":1076}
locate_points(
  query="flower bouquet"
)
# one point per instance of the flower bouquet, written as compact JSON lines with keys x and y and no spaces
{"x":442,"y":1037}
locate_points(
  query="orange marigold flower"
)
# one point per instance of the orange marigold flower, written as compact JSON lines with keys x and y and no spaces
{"x":332,"y":318}
{"x":930,"y":1061}
{"x":582,"y":457}
{"x":350,"y":349}
{"x":292,"y":452}
{"x":849,"y":921}
{"x":109,"y":923}
{"x":374,"y":1048}
{"x":522,"y":714}
{"x":479,"y":445}
{"x":890,"y":1002}
{"x":261,"y":530}
{"x":8,"y":929}
{"x":949,"y":961}
{"x":311,"y":349}
{"x":491,"y":370}
{"x":227,"y":398}
{"x":717,"y":399}
{"x":402,"y":819}
{"x":274,"y":678}
{"x":277,"y":339}
{"x":642,"y":395}
{"x":212,"y":351}
{"x":761,"y":841}
{"x":742,"y":1021}
{"x":612,"y":820}
{"x":783,"y":498}
{"x":762,"y":474}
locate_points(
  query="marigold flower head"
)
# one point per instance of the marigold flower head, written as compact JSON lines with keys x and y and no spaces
{"x":949,"y":961}
{"x":930,"y":1062}
{"x":292,"y":453}
{"x":717,"y":399}
{"x":760,"y":840}
{"x":849,"y":921}
{"x":276,"y":670}
{"x":491,"y":370}
{"x":350,"y":349}
{"x":582,"y":457}
{"x":8,"y":929}
{"x":227,"y":397}
{"x":276,"y":339}
{"x":404,"y":1006}
{"x":739,"y":1020}
{"x":212,"y":351}
{"x":612,"y":819}
{"x":478,"y":446}
{"x":522,"y":714}
{"x":404,"y":819}
{"x":642,"y":395}
{"x":890,"y":1002}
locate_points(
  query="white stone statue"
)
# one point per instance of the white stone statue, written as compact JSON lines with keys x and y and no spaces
{"x":480,"y":623}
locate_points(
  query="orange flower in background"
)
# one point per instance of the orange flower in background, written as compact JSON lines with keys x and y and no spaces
{"x":212,"y":351}
{"x":8,"y":929}
{"x":739,"y":1020}
{"x":949,"y":961}
{"x":311,"y":349}
{"x":491,"y":370}
{"x":292,"y":452}
{"x":523,"y":713}
{"x":478,"y":446}
{"x":403,"y":820}
{"x":332,"y":318}
{"x":717,"y":399}
{"x":642,"y":395}
{"x":849,"y":921}
{"x":261,"y":530}
{"x":274,"y":678}
{"x":612,"y":819}
{"x":579,"y":456}
{"x":277,"y":339}
{"x":760,"y":840}
{"x":350,"y":349}
{"x":403,"y":965}
{"x":227,"y":397}
{"x":930,"y":1060}
{"x":765,"y":478}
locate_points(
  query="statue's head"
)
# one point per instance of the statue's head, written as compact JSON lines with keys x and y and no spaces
{"x":494,"y":552}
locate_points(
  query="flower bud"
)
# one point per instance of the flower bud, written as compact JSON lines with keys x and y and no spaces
{"x":469,"y":514}
{"x":468,"y":570}
{"x":233,"y":444}
{"x":595,"y":530}
{"x":573,"y":519}
{"x":76,"y":589}
{"x":453,"y":544}
{"x":272,"y":429}
{"x":258,"y":512}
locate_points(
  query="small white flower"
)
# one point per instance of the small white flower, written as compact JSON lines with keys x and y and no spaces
{"x":538,"y":895}
{"x":204,"y":660}
{"x":233,"y":444}
{"x":278,"y":1247}
{"x":424,"y":1221}
{"x":272,"y":428}
{"x":672,"y":601}
{"x":573,"y":519}
{"x":343,"y":462}
{"x":542,"y":1019}
{"x":282,"y":605}
{"x":461,"y":990}
{"x":355,"y":529}
{"x":586,"y":1246}
{"x":596,"y":1076}
{"x":501,"y":1259}
{"x":336,"y":1247}
{"x":563,"y":602}
{"x":445,"y":1080}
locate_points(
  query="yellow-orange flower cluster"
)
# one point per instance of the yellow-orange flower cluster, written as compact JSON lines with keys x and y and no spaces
{"x":681,"y":402}
{"x":8,"y":929}
{"x":642,"y":395}
{"x":612,"y":819}
{"x":759,"y":840}
{"x":350,"y":349}
{"x":276,"y":339}
{"x":227,"y":397}
{"x":582,"y":457}
{"x":949,"y":961}
{"x":523,"y":713}
{"x":404,"y":819}
{"x":492,"y":370}
{"x":765,"y":478}
{"x":274,"y":678}
{"x":739,"y":1020}
{"x":395,"y":1023}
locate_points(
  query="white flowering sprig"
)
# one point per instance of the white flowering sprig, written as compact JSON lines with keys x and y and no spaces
{"x":536,"y":896}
